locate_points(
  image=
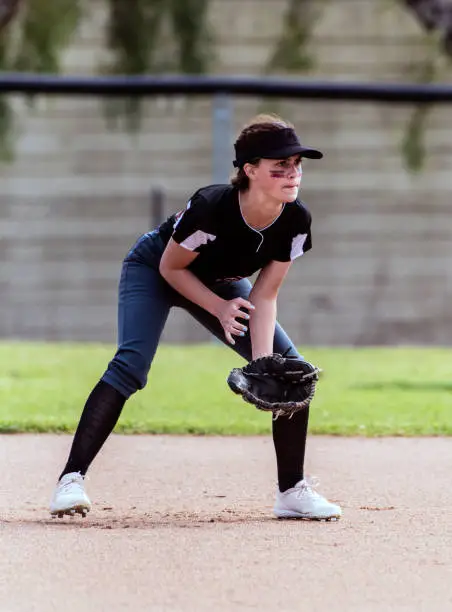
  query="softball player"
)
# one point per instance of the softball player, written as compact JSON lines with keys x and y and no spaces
{"x":200,"y":259}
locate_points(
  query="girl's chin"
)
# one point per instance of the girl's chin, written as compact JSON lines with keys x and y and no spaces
{"x":289,"y":193}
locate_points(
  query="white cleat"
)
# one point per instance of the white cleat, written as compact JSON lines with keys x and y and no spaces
{"x":303,"y":502}
{"x":70,"y":497}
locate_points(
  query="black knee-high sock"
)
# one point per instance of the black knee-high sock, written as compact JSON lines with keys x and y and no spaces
{"x":99,"y":417}
{"x":289,"y":437}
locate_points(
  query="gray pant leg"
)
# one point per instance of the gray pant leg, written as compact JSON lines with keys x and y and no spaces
{"x":145,"y":300}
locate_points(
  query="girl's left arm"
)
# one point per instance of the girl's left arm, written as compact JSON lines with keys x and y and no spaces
{"x":264,"y":296}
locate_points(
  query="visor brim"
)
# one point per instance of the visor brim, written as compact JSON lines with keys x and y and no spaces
{"x":294,"y":150}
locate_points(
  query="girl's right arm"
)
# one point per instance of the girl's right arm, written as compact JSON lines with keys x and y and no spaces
{"x":173,"y":268}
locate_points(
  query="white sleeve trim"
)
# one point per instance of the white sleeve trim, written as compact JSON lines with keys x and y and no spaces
{"x":196,"y":240}
{"x":297,"y":246}
{"x":181,"y":214}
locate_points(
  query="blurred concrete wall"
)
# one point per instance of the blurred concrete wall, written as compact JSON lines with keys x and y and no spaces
{"x":78,"y":192}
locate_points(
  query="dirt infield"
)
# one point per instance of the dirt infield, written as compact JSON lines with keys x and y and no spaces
{"x":185,"y":524}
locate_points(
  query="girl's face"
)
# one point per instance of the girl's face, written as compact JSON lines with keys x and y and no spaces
{"x":278,"y":178}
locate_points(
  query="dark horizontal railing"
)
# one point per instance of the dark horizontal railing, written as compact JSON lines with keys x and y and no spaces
{"x":202,"y":85}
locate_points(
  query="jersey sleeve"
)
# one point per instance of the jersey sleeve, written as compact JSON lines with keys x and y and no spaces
{"x":298,"y":239}
{"x":194,"y":226}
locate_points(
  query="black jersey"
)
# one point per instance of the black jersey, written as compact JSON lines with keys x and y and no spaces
{"x":212,"y":225}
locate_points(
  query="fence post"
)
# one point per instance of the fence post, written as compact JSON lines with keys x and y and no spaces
{"x":222,"y":151}
{"x":157,"y":207}
{"x":222,"y":132}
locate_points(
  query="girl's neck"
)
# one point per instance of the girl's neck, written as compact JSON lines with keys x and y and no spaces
{"x":258,"y":209}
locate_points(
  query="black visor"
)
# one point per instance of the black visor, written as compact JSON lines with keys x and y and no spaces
{"x":272,"y":145}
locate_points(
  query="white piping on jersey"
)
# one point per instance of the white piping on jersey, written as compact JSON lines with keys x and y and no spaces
{"x":262,"y":229}
{"x":180,"y":214}
{"x":257,"y":232}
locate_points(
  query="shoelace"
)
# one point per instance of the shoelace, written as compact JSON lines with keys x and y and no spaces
{"x":307,"y":486}
{"x":70,"y":483}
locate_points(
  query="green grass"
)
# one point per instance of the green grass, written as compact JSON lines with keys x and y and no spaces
{"x":363,"y":391}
